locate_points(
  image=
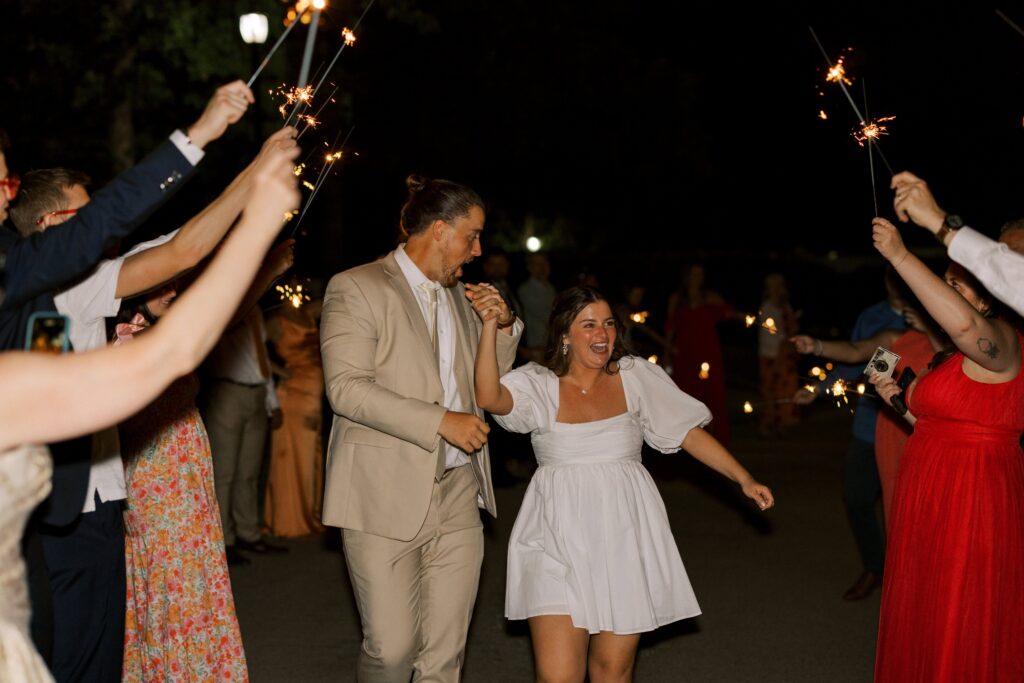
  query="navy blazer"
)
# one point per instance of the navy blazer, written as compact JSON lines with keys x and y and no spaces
{"x":41,"y":265}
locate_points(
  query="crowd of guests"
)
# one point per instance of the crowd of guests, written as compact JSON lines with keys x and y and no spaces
{"x":116,"y":542}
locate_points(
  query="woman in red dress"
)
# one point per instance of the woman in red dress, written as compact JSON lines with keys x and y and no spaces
{"x":697,"y":367}
{"x":953,"y":598}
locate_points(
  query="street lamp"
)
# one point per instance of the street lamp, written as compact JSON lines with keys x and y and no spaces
{"x":253,"y":28}
{"x":533,"y":244}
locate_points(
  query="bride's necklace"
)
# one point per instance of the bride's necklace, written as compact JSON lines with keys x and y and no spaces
{"x":580,"y":387}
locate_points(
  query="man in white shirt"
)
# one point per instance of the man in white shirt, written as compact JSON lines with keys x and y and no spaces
{"x":86,"y":564}
{"x":995,"y":265}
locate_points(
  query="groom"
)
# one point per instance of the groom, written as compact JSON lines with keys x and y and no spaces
{"x":407,"y":460}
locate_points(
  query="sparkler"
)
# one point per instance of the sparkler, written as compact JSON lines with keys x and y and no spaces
{"x":705,"y":370}
{"x":350,"y":38}
{"x":307,"y":55}
{"x":329,"y":160}
{"x":872,"y":130}
{"x":767,"y":323}
{"x":653,"y":359}
{"x":1009,"y":21}
{"x":837,"y":75}
{"x":266,"y":60}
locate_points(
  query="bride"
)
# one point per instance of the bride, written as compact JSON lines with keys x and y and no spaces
{"x":592,"y":562}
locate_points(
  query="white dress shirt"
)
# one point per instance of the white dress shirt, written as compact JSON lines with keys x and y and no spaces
{"x":993,"y":263}
{"x":446,"y":342}
{"x":87,"y":304}
{"x":234,"y":358}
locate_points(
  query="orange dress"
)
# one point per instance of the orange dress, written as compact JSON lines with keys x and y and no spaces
{"x":295,"y":484}
{"x":891,"y":430}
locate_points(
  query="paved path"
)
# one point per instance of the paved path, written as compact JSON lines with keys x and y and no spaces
{"x":768,"y":585}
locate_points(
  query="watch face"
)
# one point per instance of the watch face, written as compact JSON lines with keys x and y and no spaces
{"x":953,"y":221}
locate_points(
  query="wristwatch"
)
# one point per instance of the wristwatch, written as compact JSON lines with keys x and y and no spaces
{"x":950,"y":223}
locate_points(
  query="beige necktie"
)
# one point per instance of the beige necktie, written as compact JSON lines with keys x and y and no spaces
{"x":431,"y":289}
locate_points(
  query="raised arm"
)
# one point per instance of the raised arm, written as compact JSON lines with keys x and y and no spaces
{"x":987,"y":342}
{"x":845,"y":351}
{"x":491,"y":395}
{"x":49,"y":398}
{"x":198,"y":237}
{"x":46,"y":261}
{"x":709,"y":451}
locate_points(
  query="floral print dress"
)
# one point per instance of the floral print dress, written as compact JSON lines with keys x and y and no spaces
{"x":180,"y":623}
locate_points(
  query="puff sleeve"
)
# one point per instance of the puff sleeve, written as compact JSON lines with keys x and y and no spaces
{"x":666,"y":414}
{"x":531,"y":400}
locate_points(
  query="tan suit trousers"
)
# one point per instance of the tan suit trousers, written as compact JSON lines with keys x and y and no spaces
{"x":416,"y":597}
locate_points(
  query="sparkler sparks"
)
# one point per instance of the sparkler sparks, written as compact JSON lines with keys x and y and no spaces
{"x":705,"y":370}
{"x":298,"y":170}
{"x":837,"y":73}
{"x":348,"y":35}
{"x":870,"y":131}
{"x":750,"y":320}
{"x":769,"y":324}
{"x":295,"y":296}
{"x":653,"y":359}
{"x":308,"y":185}
{"x":639,"y":317}
{"x":747,"y":408}
{"x":822,"y":115}
{"x":293,"y":96}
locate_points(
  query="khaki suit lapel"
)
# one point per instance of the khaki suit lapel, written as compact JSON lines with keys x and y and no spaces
{"x":397,"y":280}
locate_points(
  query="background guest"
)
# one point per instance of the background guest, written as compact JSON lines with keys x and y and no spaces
{"x":777,"y":359}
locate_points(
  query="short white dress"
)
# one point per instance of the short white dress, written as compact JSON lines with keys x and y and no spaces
{"x":592,"y":539}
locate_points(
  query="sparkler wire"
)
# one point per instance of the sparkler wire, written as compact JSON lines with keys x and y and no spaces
{"x":266,"y":60}
{"x":871,"y":156}
{"x":324,"y":172}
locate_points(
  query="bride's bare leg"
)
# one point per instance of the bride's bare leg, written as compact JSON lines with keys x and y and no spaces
{"x":559,"y":649}
{"x":612,"y":657}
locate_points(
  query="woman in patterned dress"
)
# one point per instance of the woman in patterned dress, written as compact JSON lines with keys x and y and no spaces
{"x":180,"y":621}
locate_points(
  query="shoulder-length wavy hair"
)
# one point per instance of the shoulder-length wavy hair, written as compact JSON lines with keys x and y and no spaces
{"x":568,"y":305}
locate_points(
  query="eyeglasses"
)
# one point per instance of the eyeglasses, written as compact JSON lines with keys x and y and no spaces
{"x":10,"y":185}
{"x":63,"y":212}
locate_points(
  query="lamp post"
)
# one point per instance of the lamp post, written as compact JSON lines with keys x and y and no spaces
{"x":253,"y":28}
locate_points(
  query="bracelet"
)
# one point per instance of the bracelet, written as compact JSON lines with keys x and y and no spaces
{"x":905,"y":253}
{"x":818,"y":349}
{"x":506,"y":323}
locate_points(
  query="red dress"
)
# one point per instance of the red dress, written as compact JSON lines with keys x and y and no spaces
{"x":953,"y":597}
{"x":695,"y":341}
{"x":891,"y":430}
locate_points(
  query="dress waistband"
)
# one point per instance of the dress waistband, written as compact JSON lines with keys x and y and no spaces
{"x":964,"y":431}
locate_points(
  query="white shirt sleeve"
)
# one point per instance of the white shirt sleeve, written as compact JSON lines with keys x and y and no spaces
{"x":530,"y":399}
{"x":666,"y":414}
{"x":192,"y":153}
{"x":271,"y":403}
{"x":998,"y":268}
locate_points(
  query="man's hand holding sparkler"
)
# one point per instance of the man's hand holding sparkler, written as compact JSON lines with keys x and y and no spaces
{"x":914,"y":202}
{"x":228,"y":104}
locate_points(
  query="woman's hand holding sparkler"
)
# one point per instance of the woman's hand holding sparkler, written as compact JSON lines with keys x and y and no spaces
{"x":914,"y":202}
{"x":805,"y":344}
{"x":279,"y":140}
{"x":228,"y":104}
{"x":888,"y":241}
{"x":276,"y":188}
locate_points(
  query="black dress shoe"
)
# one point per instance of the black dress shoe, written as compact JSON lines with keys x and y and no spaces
{"x":235,"y":558}
{"x":260,"y":546}
{"x":864,"y":586}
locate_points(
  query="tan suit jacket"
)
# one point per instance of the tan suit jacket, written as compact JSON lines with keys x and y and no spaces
{"x":383,"y":382}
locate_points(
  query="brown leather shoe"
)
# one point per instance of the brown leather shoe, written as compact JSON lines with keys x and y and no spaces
{"x":864,"y":586}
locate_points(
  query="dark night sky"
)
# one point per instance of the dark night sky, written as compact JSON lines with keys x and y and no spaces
{"x":656,"y":127}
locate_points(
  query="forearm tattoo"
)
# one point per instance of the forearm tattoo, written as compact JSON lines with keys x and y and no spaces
{"x":988,"y":347}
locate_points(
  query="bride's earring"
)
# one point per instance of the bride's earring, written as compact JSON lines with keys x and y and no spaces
{"x":565,"y":348}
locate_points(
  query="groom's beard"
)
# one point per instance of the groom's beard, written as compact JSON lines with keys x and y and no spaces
{"x":450,"y":273}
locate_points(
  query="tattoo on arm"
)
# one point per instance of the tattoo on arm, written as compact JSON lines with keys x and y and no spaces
{"x":988,"y":347}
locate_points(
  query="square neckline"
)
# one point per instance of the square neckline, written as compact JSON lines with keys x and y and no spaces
{"x":556,"y":399}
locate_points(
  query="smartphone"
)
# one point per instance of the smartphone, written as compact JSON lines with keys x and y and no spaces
{"x":47,"y":332}
{"x":899,"y":403}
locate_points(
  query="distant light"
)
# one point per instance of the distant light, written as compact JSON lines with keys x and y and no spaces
{"x":747,"y":408}
{"x":253,"y":28}
{"x":533,"y":244}
{"x":861,"y":388}
{"x":319,"y":4}
{"x":652,"y":359}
